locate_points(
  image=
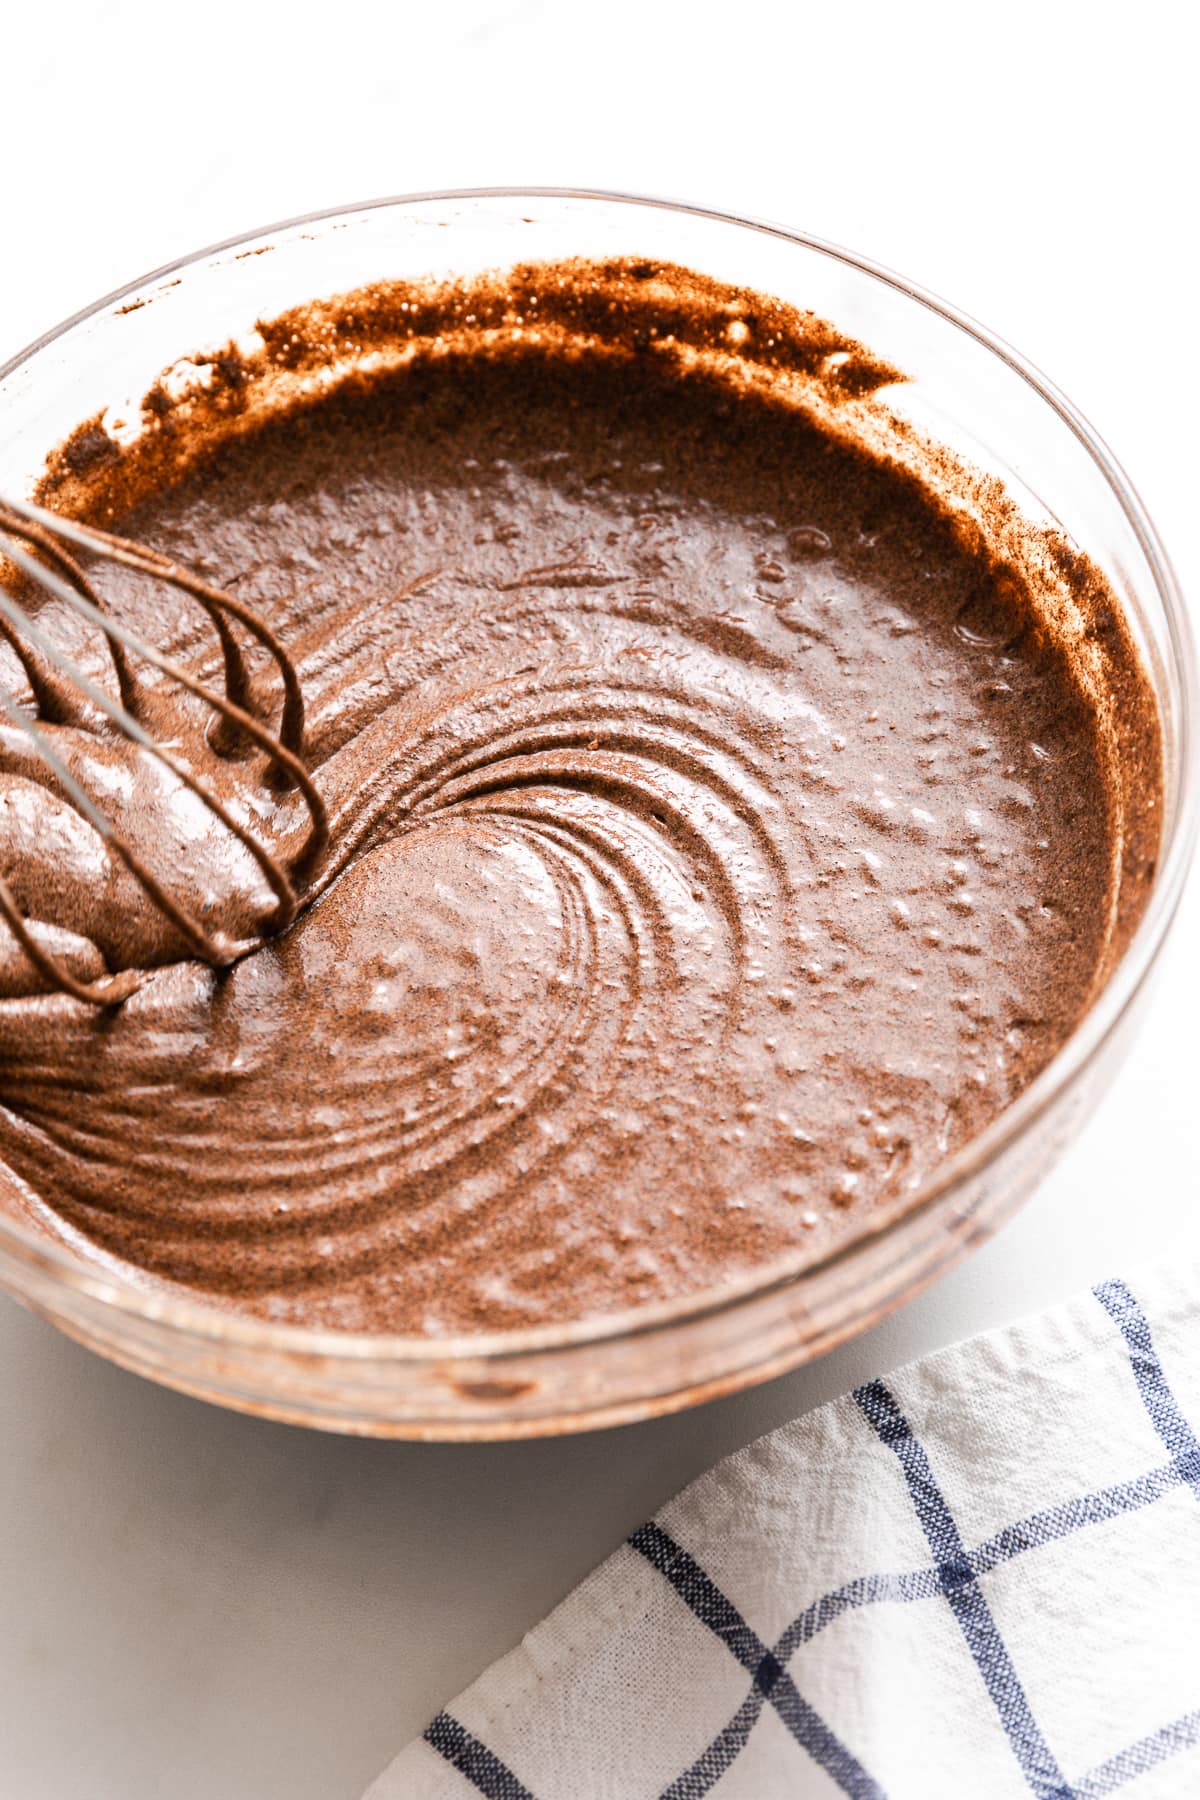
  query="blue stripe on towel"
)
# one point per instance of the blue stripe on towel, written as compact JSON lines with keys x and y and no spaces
{"x":960,"y":1586}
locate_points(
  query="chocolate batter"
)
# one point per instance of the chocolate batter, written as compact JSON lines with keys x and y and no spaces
{"x":732,"y":808}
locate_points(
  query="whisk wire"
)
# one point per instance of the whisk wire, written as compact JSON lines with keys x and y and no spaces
{"x":284,"y":758}
{"x":138,"y":734}
{"x":25,"y":528}
{"x":46,"y":691}
{"x":216,"y":602}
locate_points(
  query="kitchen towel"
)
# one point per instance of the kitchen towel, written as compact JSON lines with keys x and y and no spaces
{"x":977,"y":1577}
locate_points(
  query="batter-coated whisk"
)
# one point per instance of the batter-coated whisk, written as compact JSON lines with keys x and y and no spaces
{"x":38,"y":546}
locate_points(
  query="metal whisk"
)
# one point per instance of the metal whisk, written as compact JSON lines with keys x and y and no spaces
{"x":39,"y":545}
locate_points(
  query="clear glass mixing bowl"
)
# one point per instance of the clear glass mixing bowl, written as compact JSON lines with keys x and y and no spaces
{"x":965,"y":388}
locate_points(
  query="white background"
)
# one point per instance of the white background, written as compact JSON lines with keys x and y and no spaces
{"x":197,"y":1605}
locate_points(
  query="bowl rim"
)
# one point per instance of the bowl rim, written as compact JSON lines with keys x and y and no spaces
{"x":219,"y":1326}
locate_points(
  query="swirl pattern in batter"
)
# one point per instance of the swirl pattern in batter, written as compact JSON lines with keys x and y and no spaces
{"x":718,"y":840}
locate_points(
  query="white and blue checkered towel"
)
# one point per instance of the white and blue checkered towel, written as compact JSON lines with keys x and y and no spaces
{"x":977,"y":1579}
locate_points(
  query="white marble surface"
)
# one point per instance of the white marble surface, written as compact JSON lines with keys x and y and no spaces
{"x":194,"y":1604}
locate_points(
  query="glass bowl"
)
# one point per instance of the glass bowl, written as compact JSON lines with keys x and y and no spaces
{"x":966,"y":389}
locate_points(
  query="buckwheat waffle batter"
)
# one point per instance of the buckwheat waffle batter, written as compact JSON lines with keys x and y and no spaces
{"x":734,"y":805}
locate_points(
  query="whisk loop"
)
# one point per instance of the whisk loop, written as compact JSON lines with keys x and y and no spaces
{"x":56,"y":682}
